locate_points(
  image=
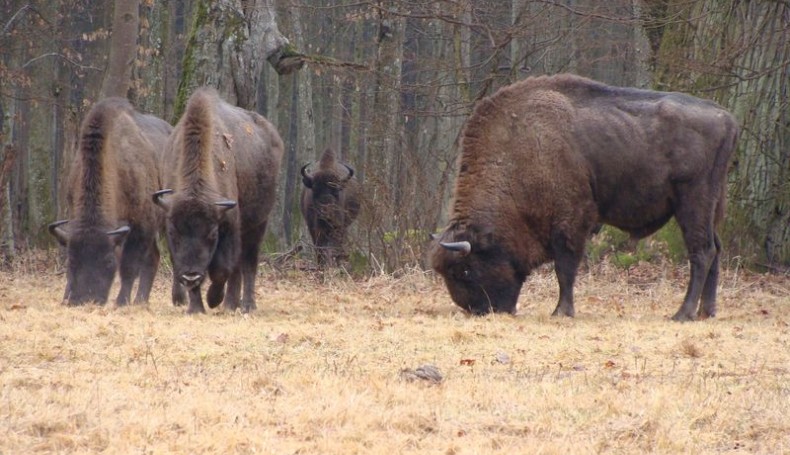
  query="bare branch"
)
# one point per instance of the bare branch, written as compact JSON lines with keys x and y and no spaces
{"x":56,"y":54}
{"x":13,"y":18}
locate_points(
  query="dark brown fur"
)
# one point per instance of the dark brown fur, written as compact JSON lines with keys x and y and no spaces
{"x":330,"y":203}
{"x":114,"y":172}
{"x":222,"y":163}
{"x":546,"y":160}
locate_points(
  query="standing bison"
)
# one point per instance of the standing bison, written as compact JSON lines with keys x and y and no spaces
{"x":114,"y":224}
{"x":220,"y":167}
{"x":545,"y":160}
{"x":330,"y":203}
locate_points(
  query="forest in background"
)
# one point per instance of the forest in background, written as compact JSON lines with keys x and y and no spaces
{"x":388,"y":85}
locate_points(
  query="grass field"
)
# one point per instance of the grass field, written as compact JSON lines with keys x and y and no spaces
{"x":325,"y":367}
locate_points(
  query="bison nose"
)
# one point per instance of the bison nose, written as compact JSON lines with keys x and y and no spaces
{"x":191,"y":280}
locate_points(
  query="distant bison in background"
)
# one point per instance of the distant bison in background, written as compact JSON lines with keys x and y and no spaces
{"x":330,"y":203}
{"x":220,"y":168}
{"x":545,"y":160}
{"x":114,"y":224}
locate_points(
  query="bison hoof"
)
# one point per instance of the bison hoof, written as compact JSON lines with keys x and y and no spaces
{"x":568,"y":312}
{"x":196,"y":310}
{"x":683,"y":317}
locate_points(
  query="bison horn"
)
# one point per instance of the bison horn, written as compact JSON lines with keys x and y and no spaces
{"x":59,"y":233}
{"x":306,"y":179}
{"x":350,"y":172}
{"x":158,"y":200}
{"x":120,"y":230}
{"x":463,"y":247}
{"x":118,"y":236}
{"x":227,"y":204}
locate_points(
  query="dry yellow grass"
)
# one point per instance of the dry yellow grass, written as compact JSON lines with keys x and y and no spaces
{"x":317,"y":370}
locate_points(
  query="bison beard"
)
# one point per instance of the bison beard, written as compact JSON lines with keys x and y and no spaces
{"x":220,"y":167}
{"x":546,"y":160}
{"x":114,"y":224}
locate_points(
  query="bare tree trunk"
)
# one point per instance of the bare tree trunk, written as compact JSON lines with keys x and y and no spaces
{"x":123,"y":49}
{"x":245,"y":33}
{"x":739,"y":54}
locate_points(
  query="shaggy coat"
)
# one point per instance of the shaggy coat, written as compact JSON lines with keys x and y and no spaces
{"x":330,"y":203}
{"x":114,"y":224}
{"x":220,"y":168}
{"x":546,"y":160}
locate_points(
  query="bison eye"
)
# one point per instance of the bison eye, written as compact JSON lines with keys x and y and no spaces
{"x":464,"y":274}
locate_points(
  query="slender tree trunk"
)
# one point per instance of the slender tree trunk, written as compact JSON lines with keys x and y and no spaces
{"x":123,"y":49}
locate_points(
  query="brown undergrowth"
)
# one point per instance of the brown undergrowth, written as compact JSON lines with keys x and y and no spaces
{"x":320,"y":368}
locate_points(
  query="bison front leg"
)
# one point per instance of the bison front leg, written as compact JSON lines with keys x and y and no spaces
{"x":195,"y":301}
{"x":177,"y":293}
{"x":220,"y":275}
{"x":248,"y":267}
{"x":148,"y":267}
{"x":566,"y":264}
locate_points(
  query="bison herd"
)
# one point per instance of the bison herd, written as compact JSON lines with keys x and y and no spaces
{"x":543,"y":163}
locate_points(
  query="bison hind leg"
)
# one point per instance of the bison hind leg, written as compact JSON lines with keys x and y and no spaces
{"x":708,"y":307}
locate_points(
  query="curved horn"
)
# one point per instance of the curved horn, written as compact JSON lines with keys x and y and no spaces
{"x":120,"y":230}
{"x":462,"y":247}
{"x":52,"y":226}
{"x":60,"y":234}
{"x":226,"y":204}
{"x":350,"y":172}
{"x":306,"y":179}
{"x":118,"y":236}
{"x":157,"y":197}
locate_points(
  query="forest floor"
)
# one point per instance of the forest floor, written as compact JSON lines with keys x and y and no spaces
{"x":332,"y":366}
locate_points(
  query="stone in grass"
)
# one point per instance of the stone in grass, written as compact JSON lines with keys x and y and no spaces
{"x":425,"y":372}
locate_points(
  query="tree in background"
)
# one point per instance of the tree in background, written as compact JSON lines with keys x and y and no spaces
{"x":389,"y":85}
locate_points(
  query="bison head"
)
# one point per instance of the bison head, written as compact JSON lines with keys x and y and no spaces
{"x":92,"y":259}
{"x":481,"y":275}
{"x":192,"y":227}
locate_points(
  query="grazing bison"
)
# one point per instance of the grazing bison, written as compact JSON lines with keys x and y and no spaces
{"x":220,"y":167}
{"x":547,"y":159}
{"x":114,"y":224}
{"x":330,"y":203}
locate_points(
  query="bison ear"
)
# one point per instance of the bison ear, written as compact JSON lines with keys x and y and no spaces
{"x":226,"y":204}
{"x":118,"y":236}
{"x":160,"y":201}
{"x":61,"y":234}
{"x":306,"y":179}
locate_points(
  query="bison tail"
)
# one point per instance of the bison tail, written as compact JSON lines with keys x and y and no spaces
{"x":198,"y":131}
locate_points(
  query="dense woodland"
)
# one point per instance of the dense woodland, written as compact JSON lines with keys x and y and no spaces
{"x":388,"y":85}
